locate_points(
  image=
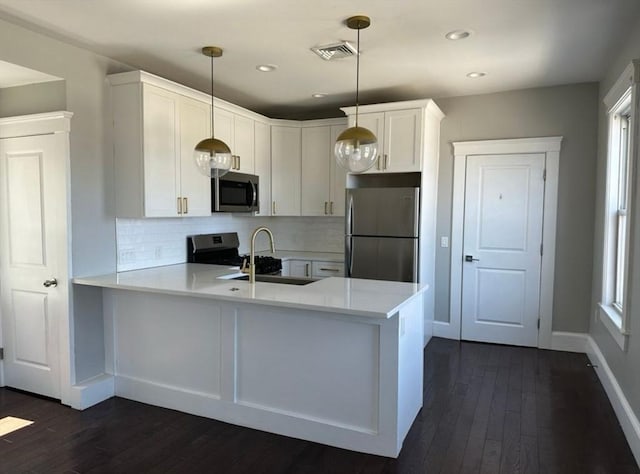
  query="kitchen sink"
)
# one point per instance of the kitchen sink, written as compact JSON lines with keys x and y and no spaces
{"x":278,"y":279}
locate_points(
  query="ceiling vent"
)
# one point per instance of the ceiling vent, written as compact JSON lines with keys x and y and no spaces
{"x":335,"y":51}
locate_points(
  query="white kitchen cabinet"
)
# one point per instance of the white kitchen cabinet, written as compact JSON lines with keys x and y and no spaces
{"x":327,"y":269}
{"x":338,"y":176}
{"x":300,"y":268}
{"x":323,"y":181}
{"x":237,"y":132}
{"x":315,"y":171}
{"x":401,"y":130}
{"x":285,"y":170}
{"x":262,"y":133}
{"x":155,"y":130}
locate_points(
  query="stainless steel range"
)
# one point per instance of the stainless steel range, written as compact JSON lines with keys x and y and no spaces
{"x":222,"y":249}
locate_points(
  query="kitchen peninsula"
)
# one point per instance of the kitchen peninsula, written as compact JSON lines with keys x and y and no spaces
{"x":337,"y":361}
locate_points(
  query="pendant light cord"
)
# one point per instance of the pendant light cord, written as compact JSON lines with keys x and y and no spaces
{"x":358,"y":77}
{"x":212,"y":97}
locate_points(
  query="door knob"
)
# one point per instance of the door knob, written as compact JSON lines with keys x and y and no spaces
{"x":469,"y":258}
{"x":50,"y":282}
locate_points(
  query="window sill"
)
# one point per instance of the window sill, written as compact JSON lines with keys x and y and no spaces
{"x":613,"y":322}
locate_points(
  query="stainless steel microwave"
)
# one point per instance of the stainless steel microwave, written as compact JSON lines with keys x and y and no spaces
{"x":235,"y":192}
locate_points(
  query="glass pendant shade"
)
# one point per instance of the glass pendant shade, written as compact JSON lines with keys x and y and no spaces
{"x":356,"y":149}
{"x":213,"y":157}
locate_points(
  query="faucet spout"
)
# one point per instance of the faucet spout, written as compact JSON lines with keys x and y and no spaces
{"x":252,"y":254}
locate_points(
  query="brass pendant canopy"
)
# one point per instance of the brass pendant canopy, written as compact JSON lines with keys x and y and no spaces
{"x":358,"y":22}
{"x":356,"y":148}
{"x":212,"y":156}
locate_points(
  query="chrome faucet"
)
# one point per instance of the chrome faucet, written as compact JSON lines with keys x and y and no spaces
{"x":252,"y":254}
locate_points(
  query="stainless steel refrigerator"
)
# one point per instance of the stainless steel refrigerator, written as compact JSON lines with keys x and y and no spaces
{"x":382,"y":233}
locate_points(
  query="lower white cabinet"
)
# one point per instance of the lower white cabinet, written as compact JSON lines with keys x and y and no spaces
{"x":327,"y":269}
{"x":312,"y":268}
{"x":300,"y":268}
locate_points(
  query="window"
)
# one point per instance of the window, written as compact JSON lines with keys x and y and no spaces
{"x":620,"y":152}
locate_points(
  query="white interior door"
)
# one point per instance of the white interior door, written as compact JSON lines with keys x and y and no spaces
{"x":504,"y":197}
{"x":33,"y":251}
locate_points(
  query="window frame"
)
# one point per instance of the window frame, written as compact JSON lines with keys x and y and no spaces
{"x":621,"y":105}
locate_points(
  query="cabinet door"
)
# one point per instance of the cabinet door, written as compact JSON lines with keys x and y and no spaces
{"x":375,"y":123}
{"x":243,"y":144}
{"x":223,"y":124}
{"x":338,"y":176}
{"x":300,"y":268}
{"x":195,"y":188}
{"x":402,"y":140}
{"x":263,"y":166}
{"x":161,"y":152}
{"x":285,"y":171}
{"x":327,"y":269}
{"x":315,"y":171}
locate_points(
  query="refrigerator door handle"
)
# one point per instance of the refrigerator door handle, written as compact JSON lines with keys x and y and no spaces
{"x":349,"y":258}
{"x":349,"y":221}
{"x":416,"y":266}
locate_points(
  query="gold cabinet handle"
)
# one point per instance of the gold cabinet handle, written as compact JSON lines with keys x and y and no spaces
{"x":239,"y":165}
{"x":379,"y":164}
{"x":325,"y":208}
{"x":331,"y":208}
{"x":185,"y":205}
{"x":386,"y":161}
{"x":273,"y":207}
{"x":179,"y":206}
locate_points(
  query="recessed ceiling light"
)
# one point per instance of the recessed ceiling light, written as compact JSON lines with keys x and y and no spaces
{"x":319,"y":95}
{"x":457,"y":34}
{"x":475,"y":75}
{"x":266,"y":67}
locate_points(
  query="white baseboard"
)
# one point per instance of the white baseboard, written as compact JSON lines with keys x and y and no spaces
{"x":445,"y":330}
{"x":627,"y":418}
{"x":92,"y":391}
{"x":569,"y":341}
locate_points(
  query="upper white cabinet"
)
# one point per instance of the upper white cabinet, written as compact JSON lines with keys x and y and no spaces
{"x":402,"y":128}
{"x":237,"y":131}
{"x":323,"y":182}
{"x":285,"y":170}
{"x":155,"y":130}
{"x":262,"y":133}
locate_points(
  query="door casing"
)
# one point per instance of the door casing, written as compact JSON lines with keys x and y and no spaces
{"x":43,"y":124}
{"x":550,"y":146}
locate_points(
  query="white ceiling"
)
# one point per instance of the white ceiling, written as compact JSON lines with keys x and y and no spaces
{"x":518,"y":43}
{"x":12,"y":75}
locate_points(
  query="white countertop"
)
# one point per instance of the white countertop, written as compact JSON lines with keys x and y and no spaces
{"x":352,"y":296}
{"x":301,"y":255}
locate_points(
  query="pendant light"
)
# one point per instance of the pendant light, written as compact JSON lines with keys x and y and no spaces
{"x":212,"y":156}
{"x":356,"y":148}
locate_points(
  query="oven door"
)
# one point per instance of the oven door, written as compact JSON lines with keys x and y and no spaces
{"x":235,"y":192}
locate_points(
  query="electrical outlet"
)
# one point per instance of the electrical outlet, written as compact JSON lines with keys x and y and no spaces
{"x":444,"y":242}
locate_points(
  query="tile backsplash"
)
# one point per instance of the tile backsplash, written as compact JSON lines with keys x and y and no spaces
{"x":143,"y":243}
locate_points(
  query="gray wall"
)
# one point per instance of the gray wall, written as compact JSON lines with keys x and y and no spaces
{"x":624,"y":365}
{"x":93,"y":224}
{"x":33,"y":99}
{"x":569,"y":111}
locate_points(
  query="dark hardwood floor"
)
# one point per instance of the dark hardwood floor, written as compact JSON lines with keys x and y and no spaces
{"x":487,"y":409}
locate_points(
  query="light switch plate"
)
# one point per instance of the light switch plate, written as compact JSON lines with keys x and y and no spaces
{"x":444,"y":242}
